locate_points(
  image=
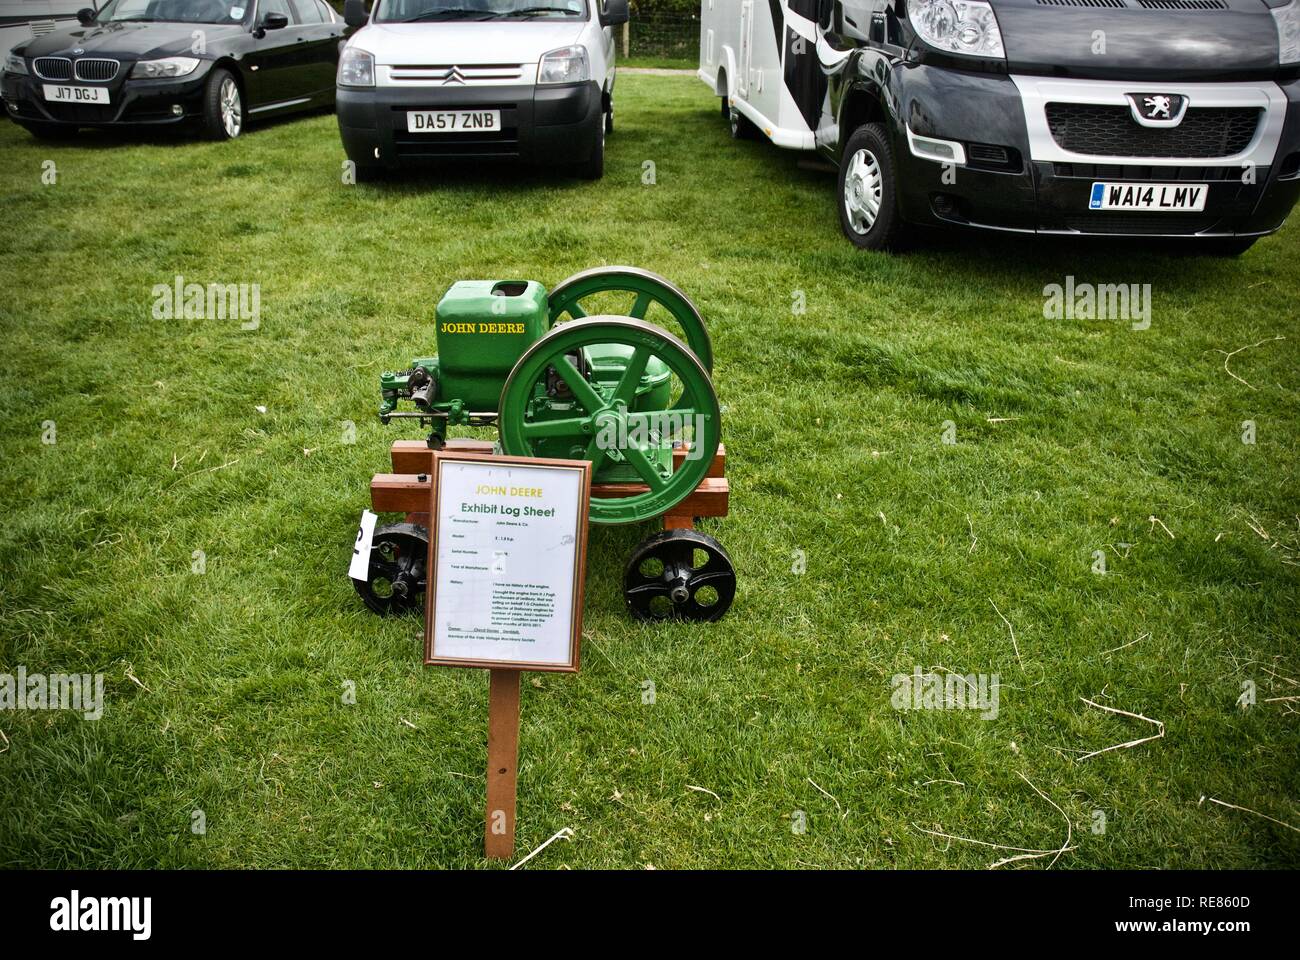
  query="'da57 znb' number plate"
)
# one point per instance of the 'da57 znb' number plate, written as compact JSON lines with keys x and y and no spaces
{"x":453,"y":121}
{"x":1152,"y":197}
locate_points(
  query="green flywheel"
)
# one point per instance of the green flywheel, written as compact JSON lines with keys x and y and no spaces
{"x":605,"y":420}
{"x":644,"y":290}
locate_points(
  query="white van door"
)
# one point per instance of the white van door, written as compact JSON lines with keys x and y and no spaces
{"x":746,"y":47}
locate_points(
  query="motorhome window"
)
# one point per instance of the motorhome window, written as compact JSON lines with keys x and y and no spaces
{"x":415,"y":11}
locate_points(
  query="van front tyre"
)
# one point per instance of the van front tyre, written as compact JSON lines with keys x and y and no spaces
{"x":593,"y":168}
{"x":868,"y":191}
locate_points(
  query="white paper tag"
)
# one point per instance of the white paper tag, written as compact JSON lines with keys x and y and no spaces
{"x":359,"y":568}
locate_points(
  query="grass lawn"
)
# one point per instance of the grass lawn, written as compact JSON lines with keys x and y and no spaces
{"x":661,"y":63}
{"x":224,"y":690}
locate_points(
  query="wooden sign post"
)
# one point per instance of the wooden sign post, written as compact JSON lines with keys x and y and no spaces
{"x":506,"y":567}
{"x":503,"y":758}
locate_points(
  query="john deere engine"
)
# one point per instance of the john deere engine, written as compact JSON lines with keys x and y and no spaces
{"x":577,"y":374}
{"x":483,"y":328}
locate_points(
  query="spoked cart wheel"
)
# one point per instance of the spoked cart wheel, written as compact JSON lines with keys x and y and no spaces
{"x":395,"y":581}
{"x":679,"y":575}
{"x":600,"y":413}
{"x":643,"y":289}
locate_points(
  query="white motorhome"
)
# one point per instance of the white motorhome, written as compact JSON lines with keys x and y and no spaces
{"x":1002,"y":115}
{"x":743,"y":56}
{"x":20,"y":20}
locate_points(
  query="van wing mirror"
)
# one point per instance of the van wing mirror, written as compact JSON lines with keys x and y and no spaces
{"x":613,"y":13}
{"x":354,"y":13}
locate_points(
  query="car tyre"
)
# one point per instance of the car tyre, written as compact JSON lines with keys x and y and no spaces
{"x":223,"y":106}
{"x":51,"y":131}
{"x":593,"y":168}
{"x":742,"y":128}
{"x":868,"y":191}
{"x":609,"y":120}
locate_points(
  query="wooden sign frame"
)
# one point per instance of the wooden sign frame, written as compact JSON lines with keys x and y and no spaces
{"x":582,"y":508}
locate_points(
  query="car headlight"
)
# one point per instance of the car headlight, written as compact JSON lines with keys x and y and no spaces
{"x":566,"y":65}
{"x":1288,"y":32}
{"x":356,"y":68}
{"x":15,"y":64}
{"x":166,"y":67}
{"x":958,"y":26}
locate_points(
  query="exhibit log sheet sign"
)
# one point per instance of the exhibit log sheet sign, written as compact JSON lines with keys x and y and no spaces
{"x":507,"y":562}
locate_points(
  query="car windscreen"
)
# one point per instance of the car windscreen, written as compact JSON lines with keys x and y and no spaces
{"x":432,"y":11}
{"x":175,"y":11}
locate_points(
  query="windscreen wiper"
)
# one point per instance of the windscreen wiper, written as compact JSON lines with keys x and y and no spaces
{"x":453,"y":13}
{"x":535,"y":11}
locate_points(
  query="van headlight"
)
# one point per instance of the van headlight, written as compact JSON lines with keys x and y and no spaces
{"x":356,"y":68}
{"x":958,"y":26}
{"x":1288,"y":32}
{"x":166,"y":67}
{"x":15,"y":64}
{"x":566,"y":65}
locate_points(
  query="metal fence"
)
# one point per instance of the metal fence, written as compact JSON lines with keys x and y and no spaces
{"x":662,"y":36}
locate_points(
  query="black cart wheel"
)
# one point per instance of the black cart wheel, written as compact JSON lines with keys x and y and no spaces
{"x":679,"y":575}
{"x":395,"y":582}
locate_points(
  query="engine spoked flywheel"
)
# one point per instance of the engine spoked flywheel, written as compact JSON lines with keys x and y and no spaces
{"x":597,"y":389}
{"x":644,"y":290}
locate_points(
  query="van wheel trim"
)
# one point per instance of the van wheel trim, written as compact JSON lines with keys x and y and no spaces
{"x":863,"y":191}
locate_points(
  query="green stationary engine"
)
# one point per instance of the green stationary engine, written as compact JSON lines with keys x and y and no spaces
{"x":609,"y":388}
{"x":578,"y":374}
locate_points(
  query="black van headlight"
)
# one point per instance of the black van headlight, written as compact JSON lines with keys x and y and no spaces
{"x":958,"y":26}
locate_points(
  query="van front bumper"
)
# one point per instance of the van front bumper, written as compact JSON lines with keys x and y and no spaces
{"x":1042,"y":188}
{"x":540,"y":124}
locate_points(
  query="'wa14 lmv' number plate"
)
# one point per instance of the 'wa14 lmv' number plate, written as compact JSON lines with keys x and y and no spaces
{"x":1153,"y":197}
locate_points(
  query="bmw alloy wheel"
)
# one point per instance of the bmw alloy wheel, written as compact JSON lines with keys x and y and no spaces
{"x":232,"y":114}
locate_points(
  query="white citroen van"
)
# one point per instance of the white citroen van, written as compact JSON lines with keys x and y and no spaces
{"x":424,"y":80}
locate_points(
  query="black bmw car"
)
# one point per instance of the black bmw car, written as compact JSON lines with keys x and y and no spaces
{"x":215,"y":63}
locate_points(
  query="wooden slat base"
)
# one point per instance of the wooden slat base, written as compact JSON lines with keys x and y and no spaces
{"x":407,"y":493}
